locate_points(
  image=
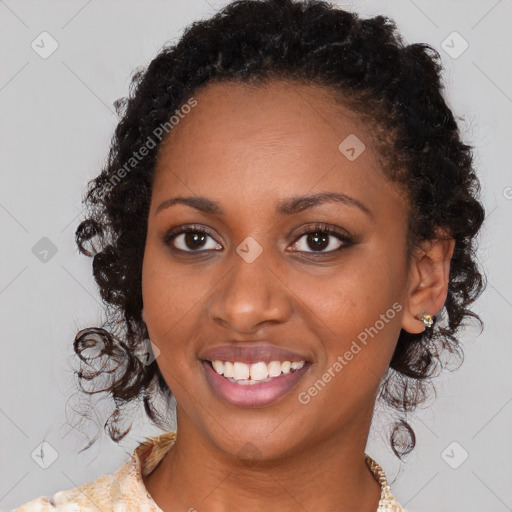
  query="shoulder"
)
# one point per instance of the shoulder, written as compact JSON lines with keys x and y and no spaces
{"x":122,"y":490}
{"x":387,"y":502}
{"x":92,"y":496}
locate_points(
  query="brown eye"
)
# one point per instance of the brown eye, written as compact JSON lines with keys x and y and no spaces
{"x":322,"y":239}
{"x":191,"y":239}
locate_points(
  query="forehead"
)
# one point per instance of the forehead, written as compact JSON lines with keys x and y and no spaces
{"x":280,"y":110}
{"x":280,"y":137}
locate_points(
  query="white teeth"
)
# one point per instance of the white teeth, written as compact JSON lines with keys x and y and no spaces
{"x":274,"y":369}
{"x":243,"y":373}
{"x":228,"y":369}
{"x":259,"y":371}
{"x":218,"y":367}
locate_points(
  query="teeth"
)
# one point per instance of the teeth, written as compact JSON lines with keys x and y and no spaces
{"x":228,"y":369}
{"x":243,"y":373}
{"x":274,"y":369}
{"x":258,"y":371}
{"x":218,"y":367}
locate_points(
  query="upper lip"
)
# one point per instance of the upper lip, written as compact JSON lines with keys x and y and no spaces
{"x":250,"y":352}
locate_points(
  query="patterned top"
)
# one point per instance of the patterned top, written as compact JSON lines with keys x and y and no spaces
{"x":124,"y":489}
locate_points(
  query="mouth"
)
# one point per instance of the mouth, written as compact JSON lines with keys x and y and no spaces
{"x":256,"y":384}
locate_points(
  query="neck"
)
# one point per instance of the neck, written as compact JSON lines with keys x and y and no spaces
{"x":328,"y":476}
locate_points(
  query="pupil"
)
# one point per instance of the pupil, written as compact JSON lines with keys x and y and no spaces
{"x":192,"y":239}
{"x":320,"y":241}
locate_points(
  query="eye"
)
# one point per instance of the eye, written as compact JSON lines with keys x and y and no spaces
{"x":191,"y":239}
{"x":318,"y":238}
{"x":321,"y":237}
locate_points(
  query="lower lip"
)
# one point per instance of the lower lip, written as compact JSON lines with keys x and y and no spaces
{"x":253,"y":395}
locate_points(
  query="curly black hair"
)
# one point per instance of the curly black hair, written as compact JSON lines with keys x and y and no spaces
{"x":365,"y":62}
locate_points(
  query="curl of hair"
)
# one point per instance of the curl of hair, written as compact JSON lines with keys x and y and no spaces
{"x":370,"y":70}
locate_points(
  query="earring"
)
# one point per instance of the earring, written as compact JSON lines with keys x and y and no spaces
{"x":428,"y":320}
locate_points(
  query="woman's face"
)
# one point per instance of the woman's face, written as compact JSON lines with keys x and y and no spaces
{"x":256,"y":288}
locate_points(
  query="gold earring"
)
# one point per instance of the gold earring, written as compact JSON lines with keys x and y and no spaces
{"x":428,"y":320}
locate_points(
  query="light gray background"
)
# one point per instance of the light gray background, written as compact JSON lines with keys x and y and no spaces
{"x":56,"y":122}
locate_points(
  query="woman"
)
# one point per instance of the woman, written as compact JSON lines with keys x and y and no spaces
{"x":285,"y":230}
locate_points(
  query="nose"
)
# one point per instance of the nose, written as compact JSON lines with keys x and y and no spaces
{"x":250,"y":295}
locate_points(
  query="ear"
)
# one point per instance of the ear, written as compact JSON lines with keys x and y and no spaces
{"x":428,"y":282}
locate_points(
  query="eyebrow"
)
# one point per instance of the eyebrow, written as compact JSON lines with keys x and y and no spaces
{"x":285,"y":207}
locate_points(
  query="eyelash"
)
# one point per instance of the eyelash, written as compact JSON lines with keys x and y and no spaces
{"x":319,"y":229}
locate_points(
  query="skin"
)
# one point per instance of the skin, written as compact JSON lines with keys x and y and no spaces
{"x":249,"y":148}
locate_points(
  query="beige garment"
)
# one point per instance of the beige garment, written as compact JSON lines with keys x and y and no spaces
{"x":124,"y":490}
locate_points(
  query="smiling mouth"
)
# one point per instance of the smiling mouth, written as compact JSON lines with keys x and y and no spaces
{"x":247,"y":374}
{"x":256,"y":384}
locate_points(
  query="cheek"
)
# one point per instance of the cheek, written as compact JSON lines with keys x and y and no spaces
{"x":168,"y":312}
{"x":356,"y":314}
{"x":168,"y":293}
{"x":173,"y":299}
{"x":350,"y":296}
